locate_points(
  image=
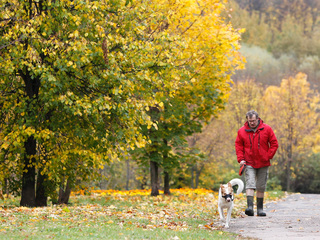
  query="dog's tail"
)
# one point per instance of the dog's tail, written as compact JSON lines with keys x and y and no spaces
{"x":237,"y":181}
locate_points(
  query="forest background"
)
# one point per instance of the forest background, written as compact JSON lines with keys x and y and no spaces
{"x":64,"y":128}
{"x":281,"y":81}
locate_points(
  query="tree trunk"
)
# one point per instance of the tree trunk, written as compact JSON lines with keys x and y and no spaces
{"x":41,"y":195}
{"x":288,"y":174}
{"x":166,"y":183}
{"x":290,"y":143}
{"x":198,"y":172}
{"x":64,"y":194}
{"x":128,"y":175}
{"x":154,"y":178}
{"x":143,"y":182}
{"x":193,"y":169}
{"x":28,"y":196}
{"x":166,"y":173}
{"x":6,"y":186}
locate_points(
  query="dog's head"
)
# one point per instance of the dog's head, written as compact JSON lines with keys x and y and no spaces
{"x":227,"y":192}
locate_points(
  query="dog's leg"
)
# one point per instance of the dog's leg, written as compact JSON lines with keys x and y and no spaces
{"x":228,"y":217}
{"x":220,"y":209}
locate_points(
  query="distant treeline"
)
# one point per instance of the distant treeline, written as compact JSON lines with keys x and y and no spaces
{"x":281,"y":39}
{"x":275,"y":11}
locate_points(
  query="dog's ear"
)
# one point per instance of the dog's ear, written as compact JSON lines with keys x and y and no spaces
{"x":229,"y":185}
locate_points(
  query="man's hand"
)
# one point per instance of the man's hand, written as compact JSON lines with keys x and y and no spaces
{"x":242,"y":163}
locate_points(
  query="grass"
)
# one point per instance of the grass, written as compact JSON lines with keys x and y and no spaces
{"x":186,"y":214}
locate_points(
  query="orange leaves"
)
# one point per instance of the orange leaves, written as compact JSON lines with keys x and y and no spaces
{"x":110,"y":192}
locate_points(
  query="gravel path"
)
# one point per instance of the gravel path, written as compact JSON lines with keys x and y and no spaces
{"x":295,"y":217}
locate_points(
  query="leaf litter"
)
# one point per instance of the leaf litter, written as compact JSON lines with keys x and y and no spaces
{"x":185,"y":209}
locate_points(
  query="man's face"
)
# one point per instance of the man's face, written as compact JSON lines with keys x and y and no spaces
{"x":253,"y":121}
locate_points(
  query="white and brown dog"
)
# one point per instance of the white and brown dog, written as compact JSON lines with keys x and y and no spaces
{"x":226,"y":197}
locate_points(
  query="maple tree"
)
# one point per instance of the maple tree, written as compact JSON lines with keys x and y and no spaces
{"x":292,"y":111}
{"x":208,"y":54}
{"x":76,"y":78}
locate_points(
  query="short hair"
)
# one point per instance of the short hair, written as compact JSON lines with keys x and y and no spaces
{"x":251,"y":113}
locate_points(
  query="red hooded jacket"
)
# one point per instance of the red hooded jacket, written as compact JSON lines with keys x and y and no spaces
{"x":256,"y":148}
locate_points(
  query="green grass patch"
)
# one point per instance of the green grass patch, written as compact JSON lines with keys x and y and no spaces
{"x":120,"y":216}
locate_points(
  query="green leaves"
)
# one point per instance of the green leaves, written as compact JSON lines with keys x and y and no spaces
{"x":79,"y":77}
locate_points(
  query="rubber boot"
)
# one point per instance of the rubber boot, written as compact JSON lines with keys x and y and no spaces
{"x":249,"y":211}
{"x":260,"y":211}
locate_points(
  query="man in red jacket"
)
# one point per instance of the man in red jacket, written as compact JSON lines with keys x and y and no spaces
{"x":255,"y":145}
